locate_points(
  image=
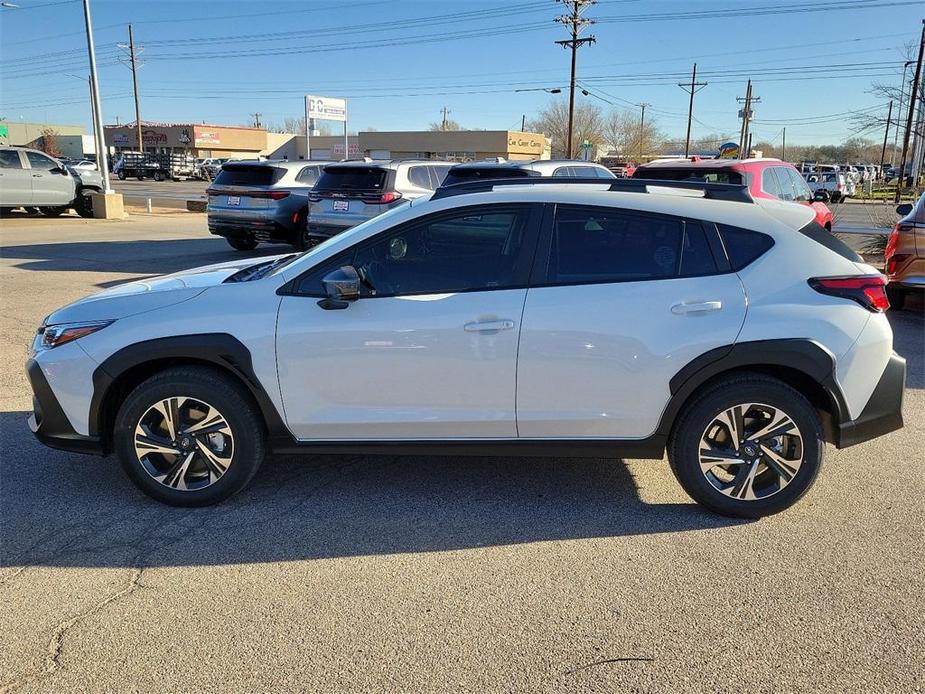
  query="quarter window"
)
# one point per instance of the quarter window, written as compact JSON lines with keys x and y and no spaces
{"x":742,"y":245}
{"x":9,"y":159}
{"x":601,"y":245}
{"x":419,"y":176}
{"x":308,"y":175}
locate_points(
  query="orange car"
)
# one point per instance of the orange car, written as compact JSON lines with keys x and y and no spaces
{"x":905,"y":253}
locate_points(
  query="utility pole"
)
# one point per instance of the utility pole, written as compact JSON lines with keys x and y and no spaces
{"x":102,"y":161}
{"x":913,"y":99}
{"x":642,"y":128}
{"x":575,"y":24}
{"x":444,"y":124}
{"x":902,"y":95}
{"x":131,"y":48}
{"x":886,"y":134}
{"x":783,"y":146}
{"x":523,"y":123}
{"x":748,"y":100}
{"x":256,"y":119}
{"x":692,"y":88}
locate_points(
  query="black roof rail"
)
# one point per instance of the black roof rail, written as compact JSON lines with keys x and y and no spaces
{"x":732,"y":192}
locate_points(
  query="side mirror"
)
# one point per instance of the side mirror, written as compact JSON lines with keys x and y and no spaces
{"x":904,"y":209}
{"x":821,"y":196}
{"x":60,"y":169}
{"x":342,"y":286}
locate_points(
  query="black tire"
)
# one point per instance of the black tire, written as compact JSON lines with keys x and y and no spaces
{"x":159,"y":176}
{"x":83,"y":205}
{"x":239,"y":244}
{"x":140,"y":178}
{"x":225,"y":395}
{"x":304,"y":242}
{"x":121,"y":175}
{"x":897,"y":296}
{"x":685,"y":444}
{"x":53,"y":211}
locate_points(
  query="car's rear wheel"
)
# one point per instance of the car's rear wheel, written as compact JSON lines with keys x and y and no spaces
{"x":53,"y":211}
{"x":121,"y":175}
{"x":242,"y":244}
{"x":189,"y":436}
{"x":304,"y":241}
{"x":159,"y":176}
{"x":749,"y":446}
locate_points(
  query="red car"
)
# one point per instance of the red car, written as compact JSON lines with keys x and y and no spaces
{"x":765,"y":178}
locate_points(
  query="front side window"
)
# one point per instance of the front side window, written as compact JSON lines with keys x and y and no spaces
{"x":9,"y":159}
{"x":478,"y":249}
{"x":803,"y":193}
{"x":41,"y":162}
{"x":591,"y":245}
{"x":786,"y":185}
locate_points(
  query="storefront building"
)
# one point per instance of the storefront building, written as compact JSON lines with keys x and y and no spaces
{"x":454,"y":145}
{"x":200,"y":140}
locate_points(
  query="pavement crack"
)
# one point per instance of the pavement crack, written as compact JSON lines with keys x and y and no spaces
{"x":631,"y":659}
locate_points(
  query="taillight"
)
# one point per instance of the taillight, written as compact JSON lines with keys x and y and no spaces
{"x":867,"y":290}
{"x":271,"y":194}
{"x":383,"y":198}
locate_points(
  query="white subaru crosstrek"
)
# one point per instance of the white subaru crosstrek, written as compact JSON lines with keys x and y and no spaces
{"x":542,"y":317}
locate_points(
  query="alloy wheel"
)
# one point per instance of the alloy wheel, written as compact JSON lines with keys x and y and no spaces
{"x":751,"y":451}
{"x":184,"y":443}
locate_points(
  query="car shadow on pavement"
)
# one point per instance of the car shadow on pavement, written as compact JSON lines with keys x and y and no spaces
{"x":144,"y":257}
{"x":61,"y":509}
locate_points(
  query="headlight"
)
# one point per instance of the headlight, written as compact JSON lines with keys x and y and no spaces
{"x":57,"y":335}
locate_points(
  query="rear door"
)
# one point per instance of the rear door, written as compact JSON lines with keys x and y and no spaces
{"x":619,"y":302}
{"x":15,"y":180}
{"x":51,"y":183}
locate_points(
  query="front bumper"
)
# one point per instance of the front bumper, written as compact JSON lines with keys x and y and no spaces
{"x":48,"y":421}
{"x":883,"y":412}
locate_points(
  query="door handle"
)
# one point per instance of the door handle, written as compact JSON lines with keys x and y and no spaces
{"x":488,"y":326}
{"x":696,"y":307}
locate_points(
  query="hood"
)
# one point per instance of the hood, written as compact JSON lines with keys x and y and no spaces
{"x":89,"y":178}
{"x":152,"y":293}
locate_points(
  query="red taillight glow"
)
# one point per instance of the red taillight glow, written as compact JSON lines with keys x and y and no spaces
{"x":867,"y":290}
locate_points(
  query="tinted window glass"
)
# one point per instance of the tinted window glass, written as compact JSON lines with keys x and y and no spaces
{"x":769,"y":183}
{"x":743,"y":246}
{"x":584,"y":171}
{"x":438,"y":173}
{"x":41,"y":162}
{"x":472,"y":250}
{"x":700,"y":174}
{"x":419,"y":176}
{"x":244,"y":175}
{"x":604,"y":173}
{"x":563,"y":171}
{"x":308,"y":175}
{"x":9,"y":159}
{"x":352,"y":178}
{"x":786,"y":185}
{"x":804,"y":194}
{"x":833,"y":243}
{"x":602,"y":245}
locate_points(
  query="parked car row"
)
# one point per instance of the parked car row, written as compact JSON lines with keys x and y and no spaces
{"x":32,"y":179}
{"x":304,"y":203}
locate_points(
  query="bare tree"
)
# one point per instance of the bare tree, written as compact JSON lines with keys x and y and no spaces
{"x":49,"y":143}
{"x":626,"y":134}
{"x":552,"y":121}
{"x":450,"y":125}
{"x":296,"y":126}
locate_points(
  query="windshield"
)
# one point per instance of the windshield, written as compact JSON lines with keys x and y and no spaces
{"x":707,"y":175}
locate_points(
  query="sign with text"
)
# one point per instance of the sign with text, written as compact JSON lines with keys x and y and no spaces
{"x":326,"y":108}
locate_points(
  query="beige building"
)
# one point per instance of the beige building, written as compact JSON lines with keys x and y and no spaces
{"x":454,"y":145}
{"x":200,"y":140}
{"x":70,"y":140}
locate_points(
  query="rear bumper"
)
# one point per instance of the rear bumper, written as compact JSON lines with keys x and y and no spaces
{"x":261,"y":229}
{"x":325,"y":231}
{"x":48,"y":421}
{"x":883,"y":412}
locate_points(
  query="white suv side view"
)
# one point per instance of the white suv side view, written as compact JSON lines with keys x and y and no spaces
{"x":522,"y":316}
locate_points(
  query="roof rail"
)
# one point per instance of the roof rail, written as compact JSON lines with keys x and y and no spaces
{"x":731,"y":192}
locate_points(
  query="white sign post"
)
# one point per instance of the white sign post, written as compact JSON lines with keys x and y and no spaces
{"x":324,"y":108}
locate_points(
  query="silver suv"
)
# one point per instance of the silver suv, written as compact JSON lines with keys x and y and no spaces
{"x":261,"y":201}
{"x":352,"y":192}
{"x":521,"y":169}
{"x":30,"y":178}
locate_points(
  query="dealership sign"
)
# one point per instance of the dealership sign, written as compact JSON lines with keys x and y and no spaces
{"x":326,"y":108}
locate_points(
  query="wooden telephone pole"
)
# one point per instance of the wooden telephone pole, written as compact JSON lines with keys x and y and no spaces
{"x":575,"y":24}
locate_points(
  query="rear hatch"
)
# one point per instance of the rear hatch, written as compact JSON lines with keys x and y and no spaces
{"x":245,"y":188}
{"x":348,"y":195}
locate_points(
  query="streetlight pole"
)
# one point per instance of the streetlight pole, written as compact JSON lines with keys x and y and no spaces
{"x":102,"y":162}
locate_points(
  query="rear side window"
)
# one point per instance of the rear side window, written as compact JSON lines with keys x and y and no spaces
{"x":371,"y":179}
{"x":308,"y":175}
{"x":769,"y":183}
{"x":419,"y":176}
{"x":833,"y":243}
{"x":591,"y":245}
{"x":438,"y":173}
{"x":804,"y":194}
{"x":9,"y":159}
{"x":787,"y":191}
{"x":743,"y":246}
{"x":244,"y":175}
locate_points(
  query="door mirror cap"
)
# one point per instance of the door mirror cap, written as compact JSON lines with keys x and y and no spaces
{"x":60,"y":169}
{"x":904,"y":209}
{"x":342,"y":286}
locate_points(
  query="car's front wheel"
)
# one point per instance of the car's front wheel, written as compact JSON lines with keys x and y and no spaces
{"x":83,"y":205}
{"x":749,"y":446}
{"x":189,"y":436}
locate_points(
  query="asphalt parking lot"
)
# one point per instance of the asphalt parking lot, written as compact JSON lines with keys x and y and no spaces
{"x":434,"y":574}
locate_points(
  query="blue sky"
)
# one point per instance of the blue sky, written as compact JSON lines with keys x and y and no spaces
{"x":400,"y":61}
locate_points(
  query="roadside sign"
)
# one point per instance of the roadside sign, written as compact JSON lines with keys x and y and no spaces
{"x":326,"y":108}
{"x":729,"y":150}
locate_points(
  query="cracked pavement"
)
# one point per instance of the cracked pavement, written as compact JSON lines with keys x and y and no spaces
{"x":335,"y":573}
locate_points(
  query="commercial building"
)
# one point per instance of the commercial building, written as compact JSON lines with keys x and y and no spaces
{"x":200,"y":140}
{"x":454,"y":145}
{"x":61,"y":140}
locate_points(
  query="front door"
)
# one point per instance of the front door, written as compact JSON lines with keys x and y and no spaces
{"x":621,"y":301}
{"x":51,"y":184}
{"x":15,"y":180}
{"x":429,"y":350}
